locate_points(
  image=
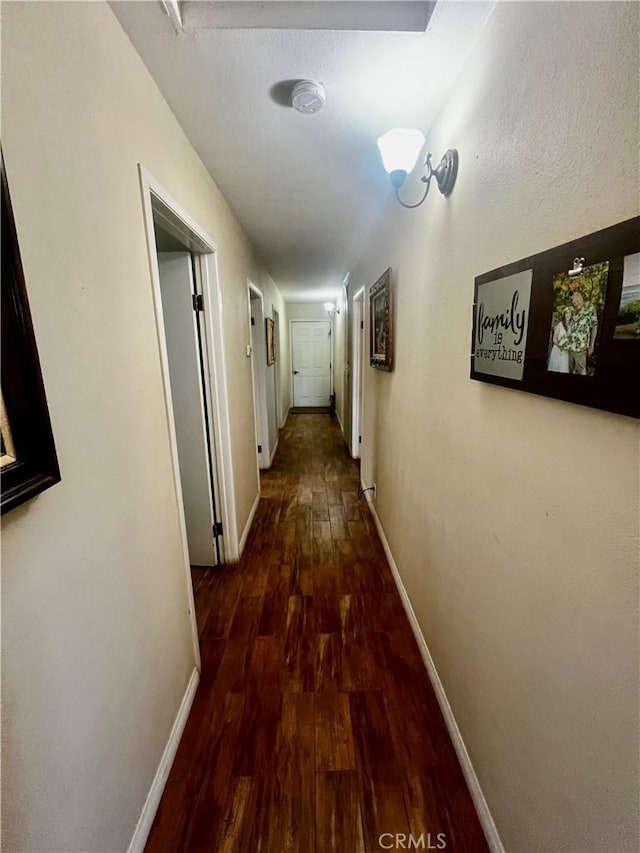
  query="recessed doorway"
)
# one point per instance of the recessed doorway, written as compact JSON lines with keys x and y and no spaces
{"x":258,"y":368}
{"x":186,"y":295}
{"x":357,"y":360}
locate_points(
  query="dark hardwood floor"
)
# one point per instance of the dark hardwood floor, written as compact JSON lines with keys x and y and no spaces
{"x":315,"y":728}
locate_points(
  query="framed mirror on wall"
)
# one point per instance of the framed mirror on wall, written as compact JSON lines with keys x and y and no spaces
{"x":28,"y":461}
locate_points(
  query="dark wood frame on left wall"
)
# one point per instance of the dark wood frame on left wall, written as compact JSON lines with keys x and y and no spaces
{"x":36,"y":465}
{"x":271,"y":340}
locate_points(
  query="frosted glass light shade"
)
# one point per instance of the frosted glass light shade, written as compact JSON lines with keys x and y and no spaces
{"x":399,"y":149}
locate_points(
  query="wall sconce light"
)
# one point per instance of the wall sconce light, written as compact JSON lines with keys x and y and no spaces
{"x":331,"y":309}
{"x":400,"y":148}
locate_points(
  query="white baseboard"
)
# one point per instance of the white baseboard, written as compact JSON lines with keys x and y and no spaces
{"x":154,"y":796}
{"x":284,"y":420}
{"x":482,"y":808}
{"x":340,"y":425}
{"x":247,"y":527}
{"x":274,"y":451}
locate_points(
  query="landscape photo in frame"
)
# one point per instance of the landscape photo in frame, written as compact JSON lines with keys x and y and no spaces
{"x":628,"y":321}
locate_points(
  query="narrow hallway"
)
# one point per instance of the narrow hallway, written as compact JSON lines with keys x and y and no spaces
{"x":315,"y":727}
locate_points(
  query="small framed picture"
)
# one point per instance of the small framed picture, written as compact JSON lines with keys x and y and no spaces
{"x":381,"y":325}
{"x":271,"y":342}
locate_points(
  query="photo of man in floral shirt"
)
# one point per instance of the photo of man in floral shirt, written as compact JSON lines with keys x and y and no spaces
{"x":579,"y":343}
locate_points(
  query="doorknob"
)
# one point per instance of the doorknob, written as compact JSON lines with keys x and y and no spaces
{"x":295,"y":372}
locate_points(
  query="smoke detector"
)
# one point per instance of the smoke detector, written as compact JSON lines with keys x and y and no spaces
{"x":308,"y":96}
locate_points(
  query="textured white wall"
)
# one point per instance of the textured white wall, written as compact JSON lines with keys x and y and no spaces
{"x":306,"y":311}
{"x":513,"y":518}
{"x":96,"y":636}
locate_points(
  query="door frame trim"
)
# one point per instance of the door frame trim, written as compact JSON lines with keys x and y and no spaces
{"x":261,"y":416}
{"x":220,"y":429}
{"x":357,"y":371}
{"x":204,"y":396}
{"x":277,"y":366}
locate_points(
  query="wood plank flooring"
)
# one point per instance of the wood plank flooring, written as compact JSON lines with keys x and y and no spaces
{"x":315,"y":728}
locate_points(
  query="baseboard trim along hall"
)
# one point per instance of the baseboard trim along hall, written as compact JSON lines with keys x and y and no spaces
{"x":162,"y":773}
{"x":484,"y":815}
{"x":247,"y":527}
{"x":274,"y":451}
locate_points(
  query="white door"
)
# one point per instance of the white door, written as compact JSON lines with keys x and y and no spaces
{"x":176,"y":286}
{"x":311,"y":362}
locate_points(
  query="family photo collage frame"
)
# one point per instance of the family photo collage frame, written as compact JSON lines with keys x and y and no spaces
{"x":565,"y":323}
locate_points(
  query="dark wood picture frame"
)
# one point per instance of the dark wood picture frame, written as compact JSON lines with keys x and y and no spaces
{"x":615,"y":384}
{"x":271,"y":340}
{"x":29,"y":463}
{"x":381,"y":323}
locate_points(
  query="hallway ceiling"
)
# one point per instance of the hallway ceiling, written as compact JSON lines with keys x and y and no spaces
{"x":307,"y":189}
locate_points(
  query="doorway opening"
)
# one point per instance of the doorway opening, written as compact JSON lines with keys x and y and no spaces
{"x":258,"y":368}
{"x":357,"y":360}
{"x":186,"y":295}
{"x":311,"y":364}
{"x":181,"y":310}
{"x":276,"y":375}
